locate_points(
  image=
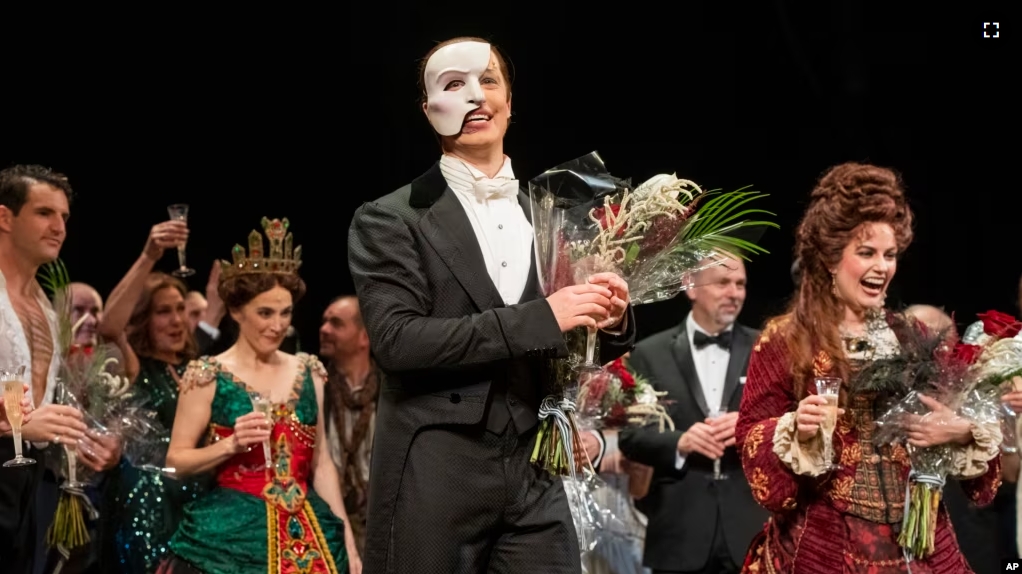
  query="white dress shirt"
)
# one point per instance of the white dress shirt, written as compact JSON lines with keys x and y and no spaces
{"x":711,"y":368}
{"x":501,"y":228}
{"x":14,"y":345}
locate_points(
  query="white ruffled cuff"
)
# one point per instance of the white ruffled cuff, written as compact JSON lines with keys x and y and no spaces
{"x":970,"y":461}
{"x":803,"y":458}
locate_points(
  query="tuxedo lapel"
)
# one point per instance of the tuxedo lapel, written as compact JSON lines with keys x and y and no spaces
{"x":526,"y":203}
{"x":448,"y":230}
{"x":532,"y":288}
{"x":682,"y":353}
{"x":741,"y":348}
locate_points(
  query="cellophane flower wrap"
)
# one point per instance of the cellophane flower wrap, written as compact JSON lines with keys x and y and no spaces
{"x":586,"y":221}
{"x":655,"y":237}
{"x":90,"y":381}
{"x":616,"y":398}
{"x":948,"y":370}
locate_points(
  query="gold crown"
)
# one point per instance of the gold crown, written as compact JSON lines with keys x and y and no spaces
{"x":282,"y":259}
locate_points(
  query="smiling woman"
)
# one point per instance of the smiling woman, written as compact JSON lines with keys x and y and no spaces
{"x":253,"y":395}
{"x":838,"y":497}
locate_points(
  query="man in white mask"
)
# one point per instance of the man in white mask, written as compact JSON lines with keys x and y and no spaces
{"x":447,"y":287}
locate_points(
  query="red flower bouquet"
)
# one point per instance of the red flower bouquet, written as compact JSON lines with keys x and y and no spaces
{"x":616,"y":398}
{"x":963,"y":375}
{"x":585,"y":221}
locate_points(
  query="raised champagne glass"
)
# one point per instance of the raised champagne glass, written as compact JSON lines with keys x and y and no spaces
{"x":14,"y":391}
{"x":179,"y":212}
{"x":717,"y":474}
{"x":830,"y":389}
{"x":262,"y":404}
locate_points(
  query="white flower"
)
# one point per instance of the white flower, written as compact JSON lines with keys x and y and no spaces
{"x":116,"y":386}
{"x":657,"y":183}
{"x":647,"y":396}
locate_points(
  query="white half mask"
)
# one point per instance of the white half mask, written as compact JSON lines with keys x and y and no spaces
{"x":464,"y":61}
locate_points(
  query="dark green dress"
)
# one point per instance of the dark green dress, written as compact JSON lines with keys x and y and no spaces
{"x":258,"y":519}
{"x":142,"y":509}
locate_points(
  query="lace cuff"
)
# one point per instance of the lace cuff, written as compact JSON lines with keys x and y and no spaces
{"x":804,"y":458}
{"x":970,"y":461}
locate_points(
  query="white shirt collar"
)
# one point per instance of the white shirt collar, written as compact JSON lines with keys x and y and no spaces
{"x":460,"y":175}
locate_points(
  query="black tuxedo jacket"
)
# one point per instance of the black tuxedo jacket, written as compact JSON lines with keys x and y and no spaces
{"x":452,"y":351}
{"x":683,"y":506}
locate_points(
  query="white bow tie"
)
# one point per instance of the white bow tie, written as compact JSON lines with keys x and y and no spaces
{"x":493,"y":188}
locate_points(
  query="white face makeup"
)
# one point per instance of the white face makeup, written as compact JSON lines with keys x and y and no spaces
{"x":464,"y":62}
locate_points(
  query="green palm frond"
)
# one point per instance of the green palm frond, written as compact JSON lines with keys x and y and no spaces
{"x":713,"y":227}
{"x":54,"y":279}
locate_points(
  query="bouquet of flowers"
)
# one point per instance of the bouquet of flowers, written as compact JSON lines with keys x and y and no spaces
{"x":88,"y":380}
{"x":944,"y":369}
{"x":655,"y":237}
{"x":616,"y":398}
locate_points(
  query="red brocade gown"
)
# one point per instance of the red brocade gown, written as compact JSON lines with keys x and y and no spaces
{"x":257,"y":519}
{"x":846,"y":520}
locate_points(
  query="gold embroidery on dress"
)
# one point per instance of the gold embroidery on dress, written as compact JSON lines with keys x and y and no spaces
{"x":851,"y":455}
{"x":822,"y":364}
{"x":771,"y":328}
{"x":315,"y":366}
{"x":899,"y":455}
{"x":200,"y":373}
{"x":877,"y":563}
{"x":842,"y":487}
{"x":789,"y":504}
{"x":760,"y":485}
{"x":753,"y":440}
{"x":877,"y":493}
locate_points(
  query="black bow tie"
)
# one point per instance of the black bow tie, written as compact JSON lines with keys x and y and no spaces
{"x":702,"y":340}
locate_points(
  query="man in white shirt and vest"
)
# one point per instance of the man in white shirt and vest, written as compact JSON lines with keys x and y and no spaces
{"x":446,"y":281}
{"x":34,"y":206}
{"x":699,"y":520}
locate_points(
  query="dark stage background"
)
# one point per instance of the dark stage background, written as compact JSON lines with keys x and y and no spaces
{"x":308,"y":115}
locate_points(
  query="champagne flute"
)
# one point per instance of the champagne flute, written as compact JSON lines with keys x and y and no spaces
{"x":179,"y":212}
{"x":717,"y":474}
{"x":261,"y":404}
{"x":65,"y":397}
{"x":14,"y":392}
{"x":830,"y":389}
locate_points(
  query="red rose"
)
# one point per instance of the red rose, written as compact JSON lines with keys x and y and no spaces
{"x":1000,"y":325}
{"x":619,"y":370}
{"x":966,"y":353}
{"x":601,"y":214}
{"x":627,"y":380}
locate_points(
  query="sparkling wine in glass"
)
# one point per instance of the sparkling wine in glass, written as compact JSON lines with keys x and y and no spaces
{"x":717,"y":474}
{"x":261,"y":404}
{"x":179,"y":212}
{"x":830,"y":389}
{"x":14,"y":392}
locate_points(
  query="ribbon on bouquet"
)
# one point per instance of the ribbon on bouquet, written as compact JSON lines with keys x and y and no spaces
{"x":559,"y":412}
{"x":69,"y":530}
{"x":935,"y":480}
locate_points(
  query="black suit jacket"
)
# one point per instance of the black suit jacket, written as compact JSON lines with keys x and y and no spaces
{"x":683,"y":506}
{"x":453,"y":352}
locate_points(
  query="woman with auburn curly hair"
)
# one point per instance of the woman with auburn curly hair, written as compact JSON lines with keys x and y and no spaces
{"x":844,"y":519}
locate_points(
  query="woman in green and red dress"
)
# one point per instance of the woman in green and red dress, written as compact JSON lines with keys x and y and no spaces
{"x":263,"y":516}
{"x":846,"y":520}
